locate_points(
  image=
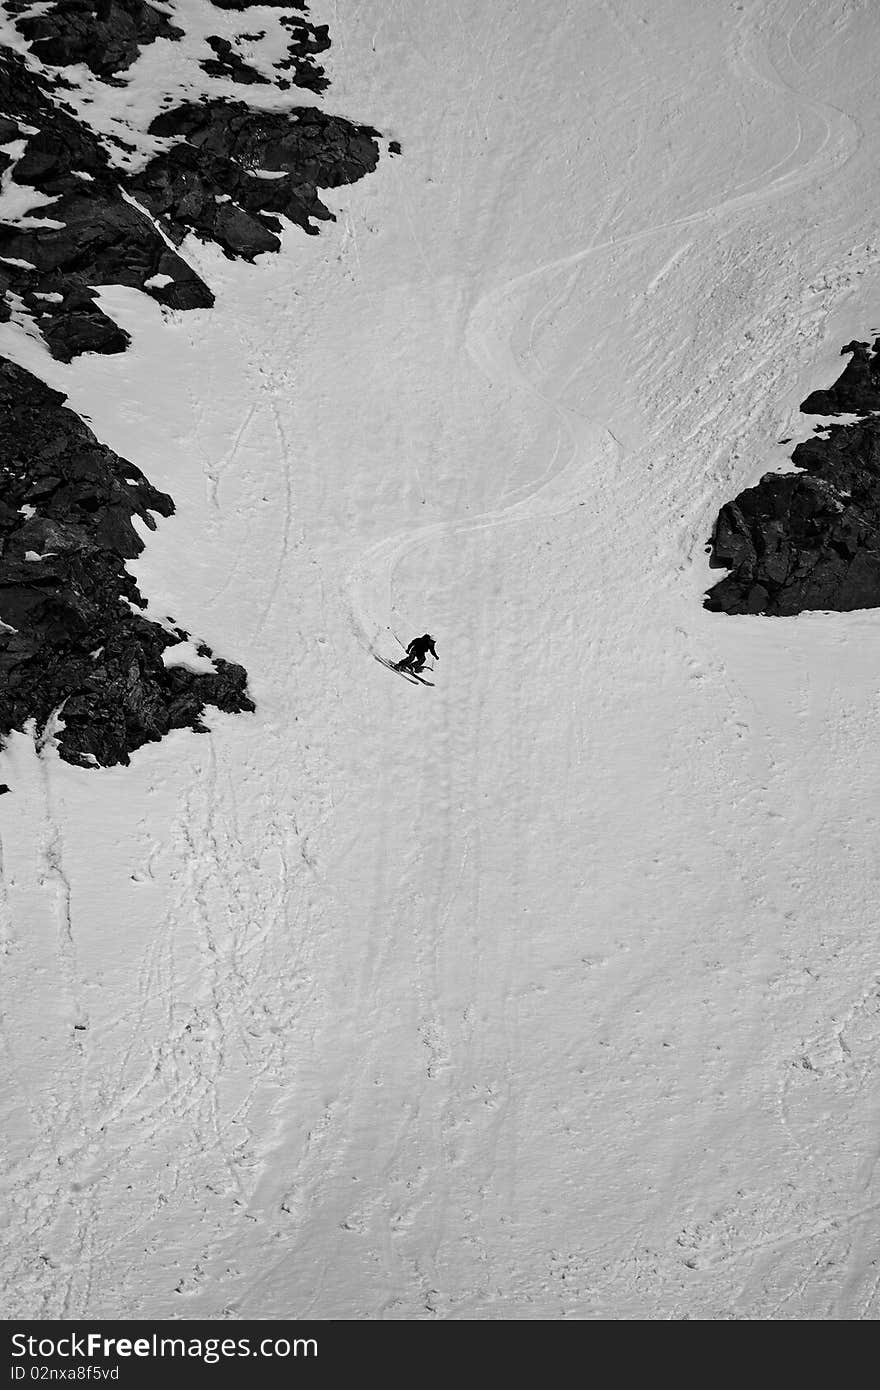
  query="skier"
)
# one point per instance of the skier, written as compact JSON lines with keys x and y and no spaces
{"x":416,"y":654}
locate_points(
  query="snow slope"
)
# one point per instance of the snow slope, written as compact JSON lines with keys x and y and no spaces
{"x":552,"y":992}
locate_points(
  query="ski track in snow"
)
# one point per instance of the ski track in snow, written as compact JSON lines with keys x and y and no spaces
{"x":327,"y":1078}
{"x":371,"y":579}
{"x":825,"y":139}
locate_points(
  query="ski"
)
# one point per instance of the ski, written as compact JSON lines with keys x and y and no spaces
{"x":389,"y":666}
{"x":407,"y":675}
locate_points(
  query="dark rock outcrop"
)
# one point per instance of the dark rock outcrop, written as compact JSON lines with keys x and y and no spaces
{"x":100,"y":236}
{"x":258,"y":163}
{"x":810,"y":540}
{"x":227,"y":63}
{"x":236,"y":173}
{"x":856,"y":391}
{"x":306,"y":40}
{"x":105,"y":35}
{"x":77,"y":654}
{"x":72,"y":642}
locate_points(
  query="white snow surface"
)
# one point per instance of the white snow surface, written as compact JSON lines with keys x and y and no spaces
{"x":553,"y":991}
{"x":186,"y":654}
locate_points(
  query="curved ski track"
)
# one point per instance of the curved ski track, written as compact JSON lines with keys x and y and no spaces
{"x":254,"y":923}
{"x":591,"y":445}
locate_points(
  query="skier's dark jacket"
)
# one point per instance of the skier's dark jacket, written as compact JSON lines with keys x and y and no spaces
{"x":419,"y":646}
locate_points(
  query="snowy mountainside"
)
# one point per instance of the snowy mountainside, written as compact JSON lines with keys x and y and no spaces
{"x":76,"y":656}
{"x":551,"y":992}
